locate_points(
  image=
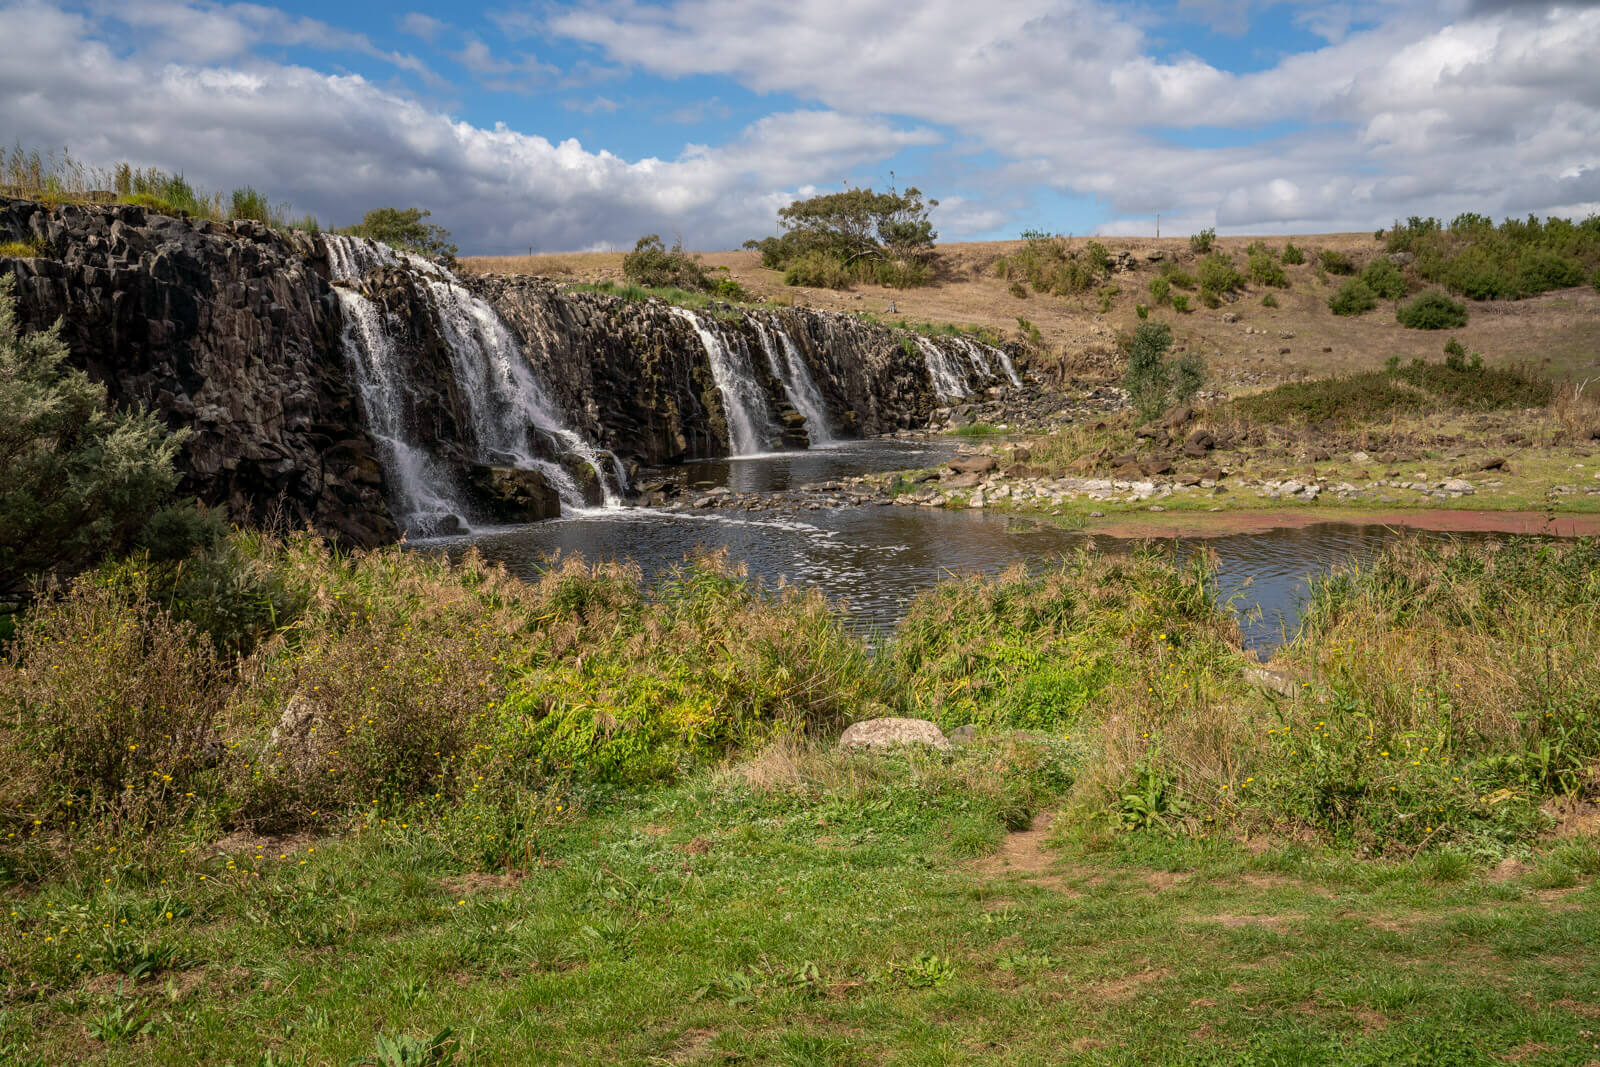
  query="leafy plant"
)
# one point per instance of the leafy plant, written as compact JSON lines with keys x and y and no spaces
{"x":652,"y":263}
{"x":1335,"y":262}
{"x":122,"y":1021}
{"x":1269,"y":301}
{"x":1432,"y":310}
{"x":1292,"y":254}
{"x":406,"y":228}
{"x":1384,"y":279}
{"x":1353,"y":298}
{"x":1202,"y":242}
{"x":1153,"y":381}
{"x":404,"y":1050}
{"x":1150,"y":799}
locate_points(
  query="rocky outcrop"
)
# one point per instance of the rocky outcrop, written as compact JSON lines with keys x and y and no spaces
{"x":893,"y":732}
{"x":634,"y":376}
{"x":228,"y":329}
{"x":266,"y":345}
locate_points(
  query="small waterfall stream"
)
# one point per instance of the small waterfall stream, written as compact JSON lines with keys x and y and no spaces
{"x":505,"y":403}
{"x":948,"y":381}
{"x":750,"y":427}
{"x":798,"y":385}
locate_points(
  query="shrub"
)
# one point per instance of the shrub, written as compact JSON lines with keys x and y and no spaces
{"x":1203,"y":241}
{"x":1018,"y":290}
{"x":1292,"y":254}
{"x":652,"y":263}
{"x":1108,"y":296}
{"x":817,"y":269}
{"x":1141,"y":312}
{"x":1160,"y":291}
{"x":406,"y":228}
{"x":1180,"y":303}
{"x":1432,"y":310}
{"x":900,"y":273}
{"x":1353,"y":298}
{"x":1384,"y":279}
{"x":111,"y":708}
{"x":1264,"y":270}
{"x":1354,"y":398}
{"x":1177,"y":276}
{"x":1594,"y":279}
{"x":1218,"y":276}
{"x":1153,"y":381}
{"x":1540,"y":270}
{"x":886,"y":237}
{"x":1466,"y":384}
{"x":1269,"y":301}
{"x":1335,"y":262}
{"x":1452,"y":347}
{"x":78,"y":480}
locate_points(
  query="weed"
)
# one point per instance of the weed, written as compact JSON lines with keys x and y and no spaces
{"x":404,"y":1050}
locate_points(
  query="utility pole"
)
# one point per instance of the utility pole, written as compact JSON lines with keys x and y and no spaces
{"x":1158,"y":225}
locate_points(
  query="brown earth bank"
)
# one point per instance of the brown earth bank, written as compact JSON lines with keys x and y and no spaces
{"x":1558,"y":331}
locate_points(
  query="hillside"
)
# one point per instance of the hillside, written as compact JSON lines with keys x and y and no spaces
{"x":1557,"y":331}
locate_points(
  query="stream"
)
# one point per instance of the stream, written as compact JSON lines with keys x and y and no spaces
{"x":872,"y":560}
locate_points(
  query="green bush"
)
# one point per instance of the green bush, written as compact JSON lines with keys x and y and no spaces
{"x":406,"y":228}
{"x":1180,"y":303}
{"x":1335,"y":262}
{"x":1218,"y":276}
{"x":1594,"y":279}
{"x":1467,"y":385}
{"x":1153,"y":381}
{"x":1292,"y":254}
{"x":818,"y":270}
{"x":1176,"y":276}
{"x":1160,"y":291}
{"x":1354,"y":398}
{"x":884,"y":237}
{"x":653,"y":264}
{"x":1432,"y":310}
{"x":1384,"y":279}
{"x":77,"y":480}
{"x":1264,"y":270}
{"x":1269,"y":301}
{"x":1353,"y":298}
{"x":1203,"y":241}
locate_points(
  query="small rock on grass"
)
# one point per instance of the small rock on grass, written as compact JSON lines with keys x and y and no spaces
{"x":892,"y":732}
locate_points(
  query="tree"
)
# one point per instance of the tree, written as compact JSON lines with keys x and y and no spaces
{"x":864,"y":231}
{"x":1153,"y":381}
{"x":77,"y":480}
{"x":405,"y":229}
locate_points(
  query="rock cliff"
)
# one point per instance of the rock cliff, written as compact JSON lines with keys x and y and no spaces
{"x":338,"y":383}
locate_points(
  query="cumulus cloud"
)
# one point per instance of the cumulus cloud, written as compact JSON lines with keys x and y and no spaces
{"x":1409,"y":114}
{"x":339,"y":144}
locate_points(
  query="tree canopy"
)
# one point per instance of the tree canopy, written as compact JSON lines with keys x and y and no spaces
{"x":405,"y":228}
{"x":853,"y":233}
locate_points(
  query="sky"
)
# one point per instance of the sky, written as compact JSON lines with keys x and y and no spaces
{"x":564,"y":125}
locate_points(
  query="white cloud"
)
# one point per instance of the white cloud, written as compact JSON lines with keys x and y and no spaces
{"x":423,"y":26}
{"x":338,"y":145}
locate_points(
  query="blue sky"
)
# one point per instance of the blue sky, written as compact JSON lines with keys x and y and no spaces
{"x":563,"y":125}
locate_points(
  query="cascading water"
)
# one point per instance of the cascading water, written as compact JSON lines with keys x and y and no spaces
{"x":504,"y":400}
{"x":426,"y":500}
{"x":947,"y":380}
{"x":798,"y":385}
{"x":750,"y":428}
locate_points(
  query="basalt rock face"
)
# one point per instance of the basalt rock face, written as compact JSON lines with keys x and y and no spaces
{"x":230,"y":330}
{"x":634,"y":376}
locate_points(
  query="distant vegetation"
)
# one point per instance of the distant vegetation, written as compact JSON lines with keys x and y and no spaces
{"x":406,"y":228}
{"x":1432,"y":310}
{"x":832,"y":240}
{"x":1458,"y":383}
{"x":1049,"y":264}
{"x":59,"y":178}
{"x":1516,"y":259}
{"x":653,"y":265}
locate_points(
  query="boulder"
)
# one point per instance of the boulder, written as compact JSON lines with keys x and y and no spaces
{"x":512,"y":494}
{"x":973,"y":465}
{"x":893,"y":732}
{"x":962,"y":481}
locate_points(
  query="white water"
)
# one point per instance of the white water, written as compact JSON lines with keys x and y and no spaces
{"x":798,"y":385}
{"x":749,"y":426}
{"x":948,"y":381}
{"x":504,"y":400}
{"x":426,"y":502}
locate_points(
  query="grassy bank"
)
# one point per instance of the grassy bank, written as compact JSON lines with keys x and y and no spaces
{"x":289,"y":807}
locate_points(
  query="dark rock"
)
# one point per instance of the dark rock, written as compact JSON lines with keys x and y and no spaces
{"x":1498,"y":463}
{"x":512,"y":494}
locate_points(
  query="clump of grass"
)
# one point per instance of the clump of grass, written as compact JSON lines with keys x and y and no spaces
{"x":24,"y":249}
{"x":1347,"y":399}
{"x":977,"y":429}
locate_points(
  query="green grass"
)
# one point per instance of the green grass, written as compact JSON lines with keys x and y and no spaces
{"x":818,"y":909}
{"x":23,"y":249}
{"x":1377,"y":395}
{"x":977,"y":429}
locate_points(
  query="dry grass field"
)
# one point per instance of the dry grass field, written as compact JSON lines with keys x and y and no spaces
{"x":1557,"y":331}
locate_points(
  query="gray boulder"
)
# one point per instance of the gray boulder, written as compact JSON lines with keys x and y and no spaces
{"x":892,"y":732}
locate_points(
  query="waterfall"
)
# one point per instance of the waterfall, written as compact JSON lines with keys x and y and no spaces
{"x":948,"y":381}
{"x":798,"y":385}
{"x":425,"y":499}
{"x":987,"y":351}
{"x":750,"y":428}
{"x":504,"y":401}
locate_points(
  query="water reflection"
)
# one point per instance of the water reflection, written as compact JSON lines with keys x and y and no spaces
{"x":873,"y":560}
